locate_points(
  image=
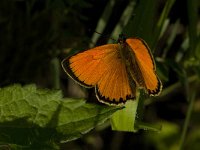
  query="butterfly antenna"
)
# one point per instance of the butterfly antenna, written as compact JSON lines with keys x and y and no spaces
{"x":105,"y":36}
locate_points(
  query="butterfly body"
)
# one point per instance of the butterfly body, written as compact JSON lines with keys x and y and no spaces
{"x":115,"y":70}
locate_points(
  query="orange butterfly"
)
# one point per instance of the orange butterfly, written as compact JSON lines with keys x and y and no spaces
{"x":115,"y":70}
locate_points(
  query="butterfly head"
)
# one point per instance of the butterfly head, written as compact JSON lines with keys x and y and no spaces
{"x":121,"y":39}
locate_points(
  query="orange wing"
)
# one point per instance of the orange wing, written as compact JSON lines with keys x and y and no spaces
{"x":103,"y":68}
{"x":145,"y":62}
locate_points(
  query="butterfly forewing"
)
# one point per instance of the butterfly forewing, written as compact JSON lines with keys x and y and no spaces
{"x":87,"y":67}
{"x":146,"y":66}
{"x":103,"y":68}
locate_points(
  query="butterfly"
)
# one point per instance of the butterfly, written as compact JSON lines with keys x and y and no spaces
{"x":115,"y":70}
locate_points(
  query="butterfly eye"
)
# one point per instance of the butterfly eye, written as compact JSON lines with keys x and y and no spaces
{"x":121,"y":39}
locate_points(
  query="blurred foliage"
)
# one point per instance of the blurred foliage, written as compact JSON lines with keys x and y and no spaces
{"x":33,"y":32}
{"x":36,"y":35}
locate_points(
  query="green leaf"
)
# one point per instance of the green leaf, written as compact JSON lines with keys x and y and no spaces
{"x":36,"y":117}
{"x":148,"y":126}
{"x":124,"y":120}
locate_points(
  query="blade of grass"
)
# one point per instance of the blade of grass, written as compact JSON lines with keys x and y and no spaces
{"x":197,"y":51}
{"x":143,"y":22}
{"x":187,"y":120}
{"x":102,"y":22}
{"x":192,"y":7}
{"x":123,"y":21}
{"x":161,"y":21}
{"x":55,"y":72}
{"x":171,"y":38}
{"x":169,"y":90}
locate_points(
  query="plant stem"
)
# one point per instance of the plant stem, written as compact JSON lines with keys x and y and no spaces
{"x":187,"y":120}
{"x":55,"y":71}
